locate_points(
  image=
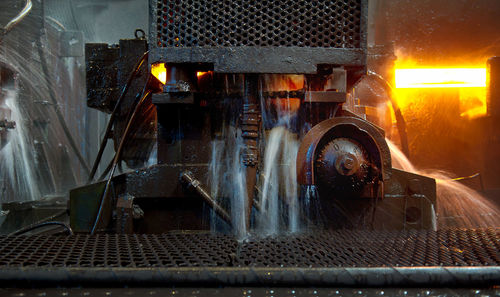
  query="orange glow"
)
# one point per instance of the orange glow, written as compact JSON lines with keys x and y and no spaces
{"x":466,"y":83}
{"x":473,"y":102}
{"x":286,"y":105}
{"x":441,"y":78}
{"x":159,"y":71}
{"x":282,"y":82}
{"x":201,"y":73}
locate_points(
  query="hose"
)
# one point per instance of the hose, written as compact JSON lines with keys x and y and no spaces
{"x":116,"y":160}
{"x":44,"y":220}
{"x":113,"y":115}
{"x":33,"y":227}
{"x":24,"y":12}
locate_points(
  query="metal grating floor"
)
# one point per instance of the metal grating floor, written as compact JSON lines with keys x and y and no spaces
{"x":197,"y":252}
{"x":455,"y":247}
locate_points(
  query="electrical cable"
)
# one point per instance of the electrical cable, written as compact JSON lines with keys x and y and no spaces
{"x":33,"y":227}
{"x":24,"y":12}
{"x":478,"y":175}
{"x":56,"y":22}
{"x":113,"y":115}
{"x":117,"y":158}
{"x":57,"y":214}
{"x":467,"y":177}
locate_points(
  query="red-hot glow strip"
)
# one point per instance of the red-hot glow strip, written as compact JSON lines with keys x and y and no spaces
{"x":441,"y":78}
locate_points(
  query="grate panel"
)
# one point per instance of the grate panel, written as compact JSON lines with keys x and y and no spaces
{"x":266,"y":23}
{"x":454,"y":247}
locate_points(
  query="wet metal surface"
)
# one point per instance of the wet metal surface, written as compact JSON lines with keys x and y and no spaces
{"x":457,"y":256}
{"x":454,"y":247}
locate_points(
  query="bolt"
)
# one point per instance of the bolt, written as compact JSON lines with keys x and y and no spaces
{"x":348,"y":163}
{"x":414,"y":186}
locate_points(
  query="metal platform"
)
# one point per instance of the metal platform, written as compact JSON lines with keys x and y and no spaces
{"x":467,"y":257}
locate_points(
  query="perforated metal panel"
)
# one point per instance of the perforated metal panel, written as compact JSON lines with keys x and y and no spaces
{"x":200,"y":23}
{"x":350,"y":258}
{"x":244,"y":36}
{"x":458,"y":247}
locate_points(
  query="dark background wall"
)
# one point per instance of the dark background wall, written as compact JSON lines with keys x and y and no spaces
{"x":440,"y":31}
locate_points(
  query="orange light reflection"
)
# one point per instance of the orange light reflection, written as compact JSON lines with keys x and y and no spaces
{"x":286,"y":105}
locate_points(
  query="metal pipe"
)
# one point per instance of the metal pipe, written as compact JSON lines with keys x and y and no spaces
{"x":438,"y":276}
{"x":493,"y":86}
{"x":188,"y":178}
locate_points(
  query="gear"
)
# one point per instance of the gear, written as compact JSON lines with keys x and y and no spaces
{"x":343,"y":165}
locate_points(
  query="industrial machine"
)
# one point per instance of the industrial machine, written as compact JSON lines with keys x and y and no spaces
{"x":240,"y":155}
{"x":226,"y":73}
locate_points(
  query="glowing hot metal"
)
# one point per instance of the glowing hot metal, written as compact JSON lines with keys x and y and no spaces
{"x":441,"y":78}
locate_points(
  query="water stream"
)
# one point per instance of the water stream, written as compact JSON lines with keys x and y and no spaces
{"x":18,"y":182}
{"x":457,"y":204}
{"x":278,"y":184}
{"x":276,"y":192}
{"x":227,"y":178}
